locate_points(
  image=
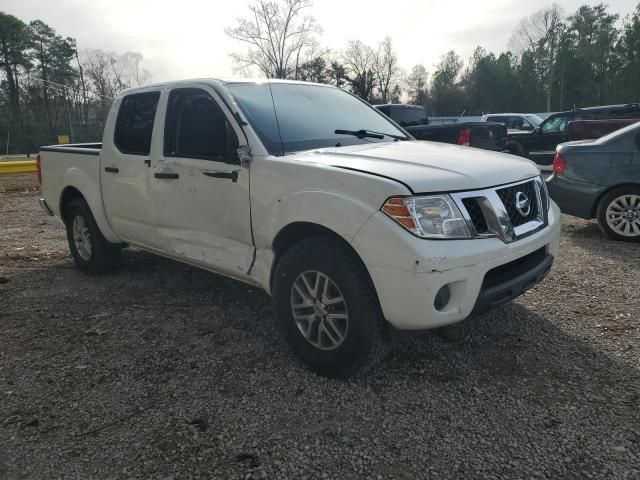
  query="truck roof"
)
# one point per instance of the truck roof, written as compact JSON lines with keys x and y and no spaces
{"x":218,"y":81}
{"x":403,"y":105}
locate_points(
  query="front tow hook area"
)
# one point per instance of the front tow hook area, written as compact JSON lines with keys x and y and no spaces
{"x":507,"y":282}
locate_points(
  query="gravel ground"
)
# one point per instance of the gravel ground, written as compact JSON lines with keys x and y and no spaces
{"x":164,"y":371}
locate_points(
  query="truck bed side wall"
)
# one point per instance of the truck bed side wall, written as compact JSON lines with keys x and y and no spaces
{"x":81,"y":171}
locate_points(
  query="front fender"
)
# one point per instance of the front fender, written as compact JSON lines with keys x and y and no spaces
{"x":336,"y":211}
{"x":92,"y":193}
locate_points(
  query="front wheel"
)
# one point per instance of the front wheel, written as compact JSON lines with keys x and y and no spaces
{"x":91,"y":252}
{"x":619,"y":214}
{"x":328,"y":308}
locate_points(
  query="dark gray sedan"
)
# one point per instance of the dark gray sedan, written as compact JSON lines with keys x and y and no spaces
{"x":601,"y":179}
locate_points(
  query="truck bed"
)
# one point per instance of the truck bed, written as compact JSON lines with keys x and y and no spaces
{"x":72,"y":164}
{"x":485,"y":135}
{"x":85,"y":148}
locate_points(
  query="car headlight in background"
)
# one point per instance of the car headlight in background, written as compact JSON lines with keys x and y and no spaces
{"x":431,"y":216}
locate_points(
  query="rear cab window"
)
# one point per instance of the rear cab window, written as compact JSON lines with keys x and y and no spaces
{"x":408,"y":116}
{"x":134,"y":125}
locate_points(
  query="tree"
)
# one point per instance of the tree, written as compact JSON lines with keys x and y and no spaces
{"x":359,"y":61}
{"x":276,"y":34}
{"x":417,"y":83}
{"x":594,"y":35}
{"x":314,"y":70}
{"x":108,"y":72}
{"x":14,"y":44}
{"x":386,"y":69}
{"x":337,"y":73}
{"x":629,"y":53}
{"x":53,"y":55}
{"x":446,"y":92}
{"x":540,"y":33}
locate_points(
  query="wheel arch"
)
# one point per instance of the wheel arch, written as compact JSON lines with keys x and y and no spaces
{"x":295,"y":232}
{"x":69,"y":194}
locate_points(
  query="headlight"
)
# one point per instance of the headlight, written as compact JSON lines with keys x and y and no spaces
{"x":432,"y":216}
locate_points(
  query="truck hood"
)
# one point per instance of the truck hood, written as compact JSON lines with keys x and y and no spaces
{"x":427,"y":166}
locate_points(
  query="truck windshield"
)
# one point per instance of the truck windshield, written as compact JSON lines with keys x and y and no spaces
{"x":292,"y":117}
{"x":534,"y":119}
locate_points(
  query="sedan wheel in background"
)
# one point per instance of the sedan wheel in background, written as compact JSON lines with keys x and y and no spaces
{"x":619,"y":214}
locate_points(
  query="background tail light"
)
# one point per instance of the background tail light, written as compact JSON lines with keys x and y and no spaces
{"x":559,"y":164}
{"x":39,"y":169}
{"x":464,"y":137}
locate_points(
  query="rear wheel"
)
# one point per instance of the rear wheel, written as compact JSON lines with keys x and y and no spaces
{"x":328,"y":308}
{"x":91,"y":252}
{"x":619,"y":214}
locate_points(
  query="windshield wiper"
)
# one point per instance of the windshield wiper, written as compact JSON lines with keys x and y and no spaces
{"x":368,"y":134}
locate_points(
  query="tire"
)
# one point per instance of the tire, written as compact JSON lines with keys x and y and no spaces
{"x":92,"y":253}
{"x":618,"y":214}
{"x":364,"y":336}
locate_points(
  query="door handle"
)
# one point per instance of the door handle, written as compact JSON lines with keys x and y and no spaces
{"x":233,"y":176}
{"x":167,"y":175}
{"x":111,"y":169}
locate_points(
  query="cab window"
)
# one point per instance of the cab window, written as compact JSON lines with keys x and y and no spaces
{"x":196,"y":127}
{"x":134,"y":124}
{"x":555,"y":125}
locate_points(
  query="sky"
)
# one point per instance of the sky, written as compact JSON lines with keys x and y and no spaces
{"x":185,"y":38}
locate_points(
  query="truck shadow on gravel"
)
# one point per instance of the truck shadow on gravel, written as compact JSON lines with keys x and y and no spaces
{"x":148,"y":366}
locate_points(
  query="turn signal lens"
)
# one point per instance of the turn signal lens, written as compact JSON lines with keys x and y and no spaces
{"x":397,"y":209}
{"x":559,"y":164}
{"x":432,"y":216}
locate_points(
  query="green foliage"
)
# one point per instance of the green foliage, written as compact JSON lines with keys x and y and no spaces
{"x":579,"y":61}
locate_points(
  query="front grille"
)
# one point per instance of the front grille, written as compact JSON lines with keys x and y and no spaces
{"x":508,"y":196}
{"x":475,"y":214}
{"x":499,"y":211}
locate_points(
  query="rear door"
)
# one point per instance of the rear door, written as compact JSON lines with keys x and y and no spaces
{"x":199,"y":190}
{"x":124,"y":174}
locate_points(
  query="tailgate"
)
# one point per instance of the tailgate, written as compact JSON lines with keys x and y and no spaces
{"x":488,"y":135}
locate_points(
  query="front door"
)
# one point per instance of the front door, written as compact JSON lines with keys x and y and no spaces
{"x":124,"y":171}
{"x":200,"y":192}
{"x":543,"y":142}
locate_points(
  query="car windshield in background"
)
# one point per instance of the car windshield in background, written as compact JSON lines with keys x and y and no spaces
{"x":534,"y":119}
{"x":292,"y":117}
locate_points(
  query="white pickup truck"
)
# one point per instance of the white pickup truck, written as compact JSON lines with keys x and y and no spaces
{"x":353,"y":227}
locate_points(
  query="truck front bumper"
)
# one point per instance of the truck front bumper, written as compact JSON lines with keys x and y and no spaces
{"x":478,"y":273}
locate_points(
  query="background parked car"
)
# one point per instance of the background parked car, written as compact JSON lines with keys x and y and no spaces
{"x":413,"y":118}
{"x":601,"y":179}
{"x":521,"y":122}
{"x":592,"y":129}
{"x":539,"y":145}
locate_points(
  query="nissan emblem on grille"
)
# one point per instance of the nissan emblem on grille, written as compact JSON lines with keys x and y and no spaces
{"x":523,"y":205}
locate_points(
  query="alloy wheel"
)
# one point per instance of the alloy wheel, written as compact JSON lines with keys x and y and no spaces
{"x":319,"y":310}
